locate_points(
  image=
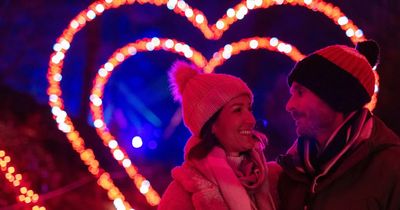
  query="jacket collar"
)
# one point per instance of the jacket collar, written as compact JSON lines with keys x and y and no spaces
{"x":370,"y":140}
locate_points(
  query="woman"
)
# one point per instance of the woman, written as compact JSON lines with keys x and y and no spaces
{"x":224,"y":166}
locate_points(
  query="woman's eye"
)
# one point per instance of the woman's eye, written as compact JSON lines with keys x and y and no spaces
{"x":237,"y":109}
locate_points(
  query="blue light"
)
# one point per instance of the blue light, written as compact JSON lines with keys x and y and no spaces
{"x":152,"y":145}
{"x":137,"y":142}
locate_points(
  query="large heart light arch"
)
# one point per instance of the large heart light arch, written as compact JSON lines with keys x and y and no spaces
{"x":198,"y":19}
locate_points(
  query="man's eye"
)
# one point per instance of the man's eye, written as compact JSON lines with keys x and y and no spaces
{"x":300,"y":93}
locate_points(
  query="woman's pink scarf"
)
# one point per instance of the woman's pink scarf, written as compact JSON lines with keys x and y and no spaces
{"x":215,"y":185}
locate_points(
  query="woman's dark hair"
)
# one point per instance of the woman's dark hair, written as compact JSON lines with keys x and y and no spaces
{"x":207,"y":139}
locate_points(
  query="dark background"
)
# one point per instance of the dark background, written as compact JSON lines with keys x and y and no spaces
{"x":28,"y":31}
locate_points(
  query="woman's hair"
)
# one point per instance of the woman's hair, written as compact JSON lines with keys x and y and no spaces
{"x":207,"y":139}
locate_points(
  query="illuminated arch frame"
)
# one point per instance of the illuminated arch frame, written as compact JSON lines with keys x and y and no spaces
{"x":198,"y":19}
{"x":170,"y":45}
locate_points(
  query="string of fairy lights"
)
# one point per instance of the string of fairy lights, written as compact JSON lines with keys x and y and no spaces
{"x":198,"y":20}
{"x":25,"y":195}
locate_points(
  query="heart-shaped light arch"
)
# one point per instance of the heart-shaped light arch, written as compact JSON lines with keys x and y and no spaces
{"x":198,"y":19}
{"x":96,"y":98}
{"x":170,"y":45}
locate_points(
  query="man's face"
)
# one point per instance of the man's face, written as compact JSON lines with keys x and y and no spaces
{"x":313,"y":117}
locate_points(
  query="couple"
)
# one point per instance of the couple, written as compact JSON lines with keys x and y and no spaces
{"x":344,"y":157}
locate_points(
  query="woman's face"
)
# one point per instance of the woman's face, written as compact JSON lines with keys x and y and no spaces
{"x":234,"y":126}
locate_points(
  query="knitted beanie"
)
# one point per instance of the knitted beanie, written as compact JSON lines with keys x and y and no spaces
{"x":202,"y":95}
{"x":341,"y":76}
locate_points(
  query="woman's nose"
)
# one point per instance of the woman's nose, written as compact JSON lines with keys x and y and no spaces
{"x":251,"y":119}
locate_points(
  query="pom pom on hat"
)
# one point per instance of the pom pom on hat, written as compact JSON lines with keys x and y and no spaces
{"x":202,"y":95}
{"x":341,"y":76}
{"x":370,"y":50}
{"x":179,"y":75}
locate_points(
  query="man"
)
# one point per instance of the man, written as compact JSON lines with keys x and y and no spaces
{"x":344,"y":157}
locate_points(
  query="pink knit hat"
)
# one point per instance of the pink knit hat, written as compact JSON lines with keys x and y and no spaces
{"x":341,"y":76}
{"x":202,"y":95}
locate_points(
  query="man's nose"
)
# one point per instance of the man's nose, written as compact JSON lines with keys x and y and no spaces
{"x":289,"y":104}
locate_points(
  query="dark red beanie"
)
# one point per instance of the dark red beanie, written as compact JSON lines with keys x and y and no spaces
{"x":341,"y":76}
